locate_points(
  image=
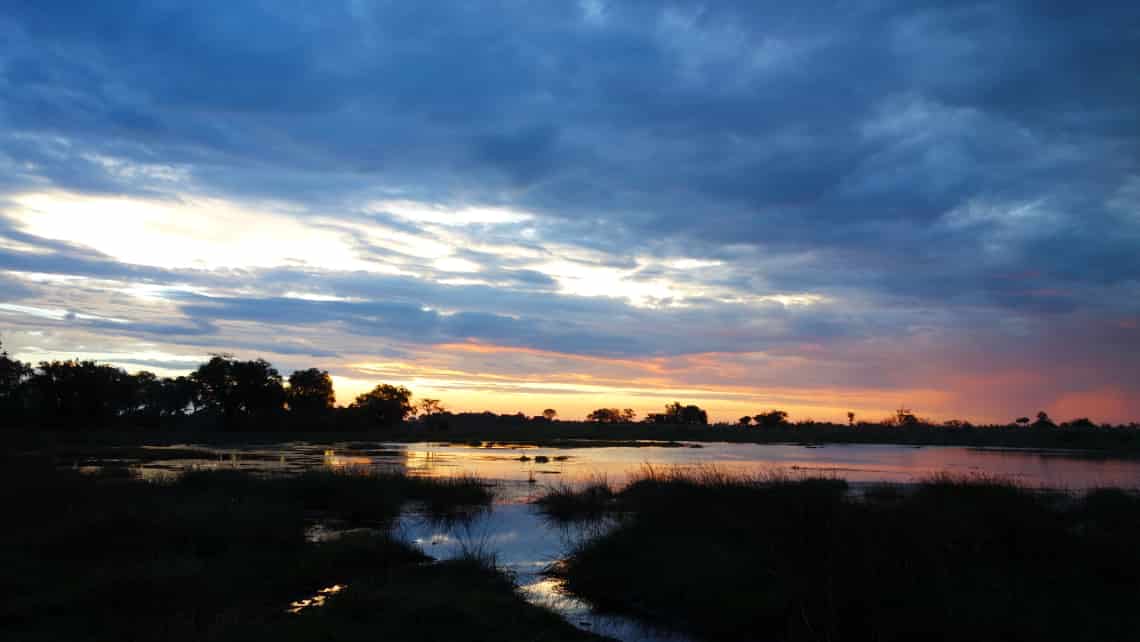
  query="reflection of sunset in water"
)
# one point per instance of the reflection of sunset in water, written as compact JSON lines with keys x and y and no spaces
{"x":550,"y":466}
{"x":856,"y":463}
{"x":334,"y":460}
{"x":319,"y":599}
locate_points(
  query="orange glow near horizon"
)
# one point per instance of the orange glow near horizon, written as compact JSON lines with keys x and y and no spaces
{"x":643,"y":385}
{"x":479,"y":376}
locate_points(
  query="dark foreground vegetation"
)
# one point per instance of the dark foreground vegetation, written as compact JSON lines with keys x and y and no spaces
{"x":233,"y":400}
{"x":224,"y":556}
{"x":778,"y":559}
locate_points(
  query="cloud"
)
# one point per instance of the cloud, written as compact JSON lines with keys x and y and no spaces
{"x":629,"y":179}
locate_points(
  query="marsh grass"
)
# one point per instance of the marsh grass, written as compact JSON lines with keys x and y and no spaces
{"x":218,"y":555}
{"x":784,"y":558}
{"x":567,"y":502}
{"x":461,"y":599}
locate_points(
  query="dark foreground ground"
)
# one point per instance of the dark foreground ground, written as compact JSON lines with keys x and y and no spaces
{"x":223,"y":556}
{"x":733,"y":559}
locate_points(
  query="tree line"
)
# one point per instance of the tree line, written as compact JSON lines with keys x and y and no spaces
{"x":675,"y":413}
{"x":224,"y":393}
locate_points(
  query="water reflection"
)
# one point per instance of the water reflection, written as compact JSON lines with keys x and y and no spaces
{"x":319,"y":599}
{"x":525,"y":544}
{"x":856,"y":463}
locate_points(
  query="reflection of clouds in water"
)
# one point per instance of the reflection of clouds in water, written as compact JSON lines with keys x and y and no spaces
{"x":854,"y":462}
{"x":525,"y":543}
{"x":575,"y":466}
{"x":518,"y":536}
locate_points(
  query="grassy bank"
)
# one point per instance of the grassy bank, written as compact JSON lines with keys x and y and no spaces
{"x":223,"y":555}
{"x":728,"y":558}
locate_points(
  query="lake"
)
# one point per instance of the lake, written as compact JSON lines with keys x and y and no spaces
{"x":525,"y":543}
{"x":857,"y":463}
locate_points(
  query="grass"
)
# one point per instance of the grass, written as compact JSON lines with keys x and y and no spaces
{"x":221,"y":555}
{"x":462,"y":599}
{"x":729,"y":558}
{"x":565,"y":502}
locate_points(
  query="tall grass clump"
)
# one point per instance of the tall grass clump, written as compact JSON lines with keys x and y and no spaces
{"x":566,"y":502}
{"x":775,"y":557}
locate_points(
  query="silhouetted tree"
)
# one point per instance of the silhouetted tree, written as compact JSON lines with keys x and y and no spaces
{"x":677,"y":413}
{"x":429,"y":407}
{"x":772,"y":419}
{"x":745,"y":421}
{"x":175,"y":397}
{"x":257,"y":388}
{"x":605,"y":416}
{"x":213,"y":385}
{"x":384,"y":406}
{"x":550,"y":414}
{"x":1043,"y":421}
{"x":904,"y":417}
{"x":144,"y":405}
{"x":850,"y":418}
{"x":12,"y":376}
{"x":628,"y":415}
{"x":310,"y":392}
{"x":80,"y":395}
{"x":1022,"y":421}
{"x":238,"y":390}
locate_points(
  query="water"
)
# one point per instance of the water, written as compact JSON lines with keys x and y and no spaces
{"x":1070,"y":470}
{"x":525,"y":544}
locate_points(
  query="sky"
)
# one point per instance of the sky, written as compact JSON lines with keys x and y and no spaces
{"x":508,"y":205}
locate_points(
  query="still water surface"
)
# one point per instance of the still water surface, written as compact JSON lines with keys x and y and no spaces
{"x":1070,"y":470}
{"x":524,"y":543}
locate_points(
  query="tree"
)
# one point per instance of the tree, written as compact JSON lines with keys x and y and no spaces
{"x":213,"y":385}
{"x":676,"y":413}
{"x":429,"y":407}
{"x":745,"y":421}
{"x":772,"y":419}
{"x":850,"y":418}
{"x":80,"y":394}
{"x":605,"y":416}
{"x":12,"y":376}
{"x":257,"y":388}
{"x":628,"y":415}
{"x":310,"y":392}
{"x":385,"y":405}
{"x":550,"y":414}
{"x":1043,"y":421}
{"x":1021,"y":421}
{"x":238,"y":390}
{"x":904,"y":417}
{"x":174,"y":397}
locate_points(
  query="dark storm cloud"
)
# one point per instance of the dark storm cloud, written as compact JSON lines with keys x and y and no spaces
{"x":889,"y":140}
{"x":191,"y":328}
{"x":409,"y":322}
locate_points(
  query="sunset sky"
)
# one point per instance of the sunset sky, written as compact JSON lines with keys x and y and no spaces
{"x":514,"y":206}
